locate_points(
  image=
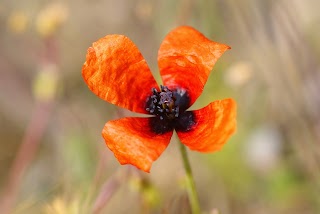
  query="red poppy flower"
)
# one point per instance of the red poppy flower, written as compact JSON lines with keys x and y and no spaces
{"x":116,"y":71}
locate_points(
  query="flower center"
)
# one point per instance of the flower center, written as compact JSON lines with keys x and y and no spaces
{"x":169,"y":108}
{"x":163,"y":104}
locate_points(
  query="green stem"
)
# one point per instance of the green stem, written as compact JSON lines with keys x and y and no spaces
{"x":193,"y":196}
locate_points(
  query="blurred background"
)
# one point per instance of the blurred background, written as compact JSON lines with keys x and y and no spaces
{"x":54,"y":160}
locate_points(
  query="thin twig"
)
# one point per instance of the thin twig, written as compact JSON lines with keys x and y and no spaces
{"x":34,"y":131}
{"x":26,"y":152}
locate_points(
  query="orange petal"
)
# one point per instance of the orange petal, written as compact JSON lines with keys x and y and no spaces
{"x":215,"y":123}
{"x":116,"y":71}
{"x":132,"y":141}
{"x":186,"y":58}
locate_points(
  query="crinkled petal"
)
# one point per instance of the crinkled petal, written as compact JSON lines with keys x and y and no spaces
{"x":133,"y":142}
{"x":185,"y":59}
{"x":214,"y":124}
{"x":116,"y":71}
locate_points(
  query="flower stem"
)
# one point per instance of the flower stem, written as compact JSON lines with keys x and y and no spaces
{"x":192,"y":193}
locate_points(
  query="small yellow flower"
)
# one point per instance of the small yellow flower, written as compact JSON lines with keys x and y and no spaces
{"x":17,"y":22}
{"x":51,"y":18}
{"x":62,"y":206}
{"x":45,"y":83}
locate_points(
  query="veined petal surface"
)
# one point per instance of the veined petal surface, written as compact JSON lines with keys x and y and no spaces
{"x":116,"y":71}
{"x":185,"y":59}
{"x":214,"y":124}
{"x":133,"y":142}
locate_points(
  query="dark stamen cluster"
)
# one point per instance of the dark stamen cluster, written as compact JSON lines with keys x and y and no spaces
{"x":163,"y":104}
{"x":169,"y":108}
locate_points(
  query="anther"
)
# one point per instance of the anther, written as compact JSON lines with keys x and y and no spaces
{"x":162,"y":103}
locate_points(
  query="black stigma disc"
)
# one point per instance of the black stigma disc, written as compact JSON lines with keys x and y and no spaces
{"x":169,"y":108}
{"x":163,"y":104}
